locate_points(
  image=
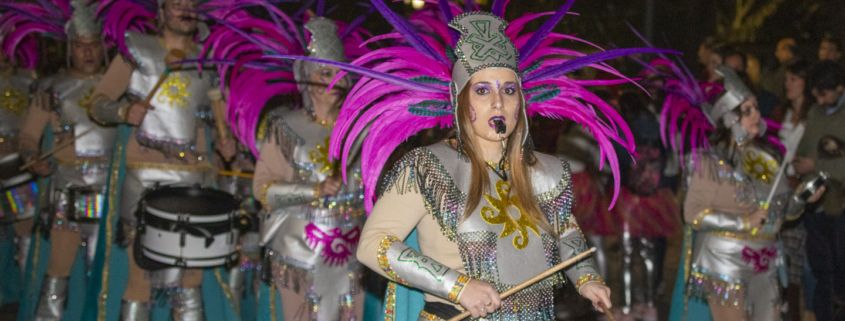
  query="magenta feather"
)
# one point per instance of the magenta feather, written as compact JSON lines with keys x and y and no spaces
{"x":21,"y":24}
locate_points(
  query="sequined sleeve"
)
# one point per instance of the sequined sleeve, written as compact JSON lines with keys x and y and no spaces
{"x":559,"y":203}
{"x":274,"y":184}
{"x":399,"y":209}
{"x":710,"y":202}
{"x":407,"y":266}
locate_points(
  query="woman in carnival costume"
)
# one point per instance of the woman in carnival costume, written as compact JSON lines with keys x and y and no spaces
{"x":475,"y":236}
{"x":733,"y":210}
{"x":313,"y":219}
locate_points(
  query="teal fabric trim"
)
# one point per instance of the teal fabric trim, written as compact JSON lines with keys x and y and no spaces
{"x":684,"y":308}
{"x":10,"y":283}
{"x":216,"y":305}
{"x":118,"y":260}
{"x":36,"y":267}
{"x":264,"y":307}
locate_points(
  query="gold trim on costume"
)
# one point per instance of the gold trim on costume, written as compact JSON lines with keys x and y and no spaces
{"x":202,"y":167}
{"x":383,"y":261}
{"x":458,"y":288}
{"x":587,"y":278}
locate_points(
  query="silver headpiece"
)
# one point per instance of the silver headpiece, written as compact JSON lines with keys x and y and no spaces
{"x":83,"y":21}
{"x":482,"y":44}
{"x":324,"y":44}
{"x":735,"y":94}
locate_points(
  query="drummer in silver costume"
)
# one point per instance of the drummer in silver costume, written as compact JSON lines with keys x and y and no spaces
{"x":14,"y":99}
{"x":313,"y":221}
{"x":79,"y":177}
{"x":735,"y":255}
{"x":167,"y":145}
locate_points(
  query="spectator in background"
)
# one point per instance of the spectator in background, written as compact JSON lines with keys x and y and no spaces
{"x":821,"y":149}
{"x":786,"y":52}
{"x":734,"y":58}
{"x":709,"y":57}
{"x":793,"y":114}
{"x":830,"y":49}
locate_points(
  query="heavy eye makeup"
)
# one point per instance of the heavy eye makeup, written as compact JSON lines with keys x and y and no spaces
{"x":484,"y":88}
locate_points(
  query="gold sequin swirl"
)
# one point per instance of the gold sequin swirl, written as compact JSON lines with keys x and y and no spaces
{"x":498,"y":215}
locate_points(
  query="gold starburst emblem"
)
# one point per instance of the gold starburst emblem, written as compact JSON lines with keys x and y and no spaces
{"x":13,"y":100}
{"x":174,"y":90}
{"x":759,"y":165}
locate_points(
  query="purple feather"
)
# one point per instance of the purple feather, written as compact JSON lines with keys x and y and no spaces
{"x":406,"y":30}
{"x":544,"y":30}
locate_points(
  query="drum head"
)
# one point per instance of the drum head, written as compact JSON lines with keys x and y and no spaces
{"x":191,"y":200}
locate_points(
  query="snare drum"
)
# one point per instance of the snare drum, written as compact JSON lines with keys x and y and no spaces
{"x":188,"y":226}
{"x":20,"y":191}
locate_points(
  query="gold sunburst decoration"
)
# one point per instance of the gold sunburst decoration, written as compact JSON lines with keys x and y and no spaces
{"x":498,"y":215}
{"x":87,"y":99}
{"x":759,"y":165}
{"x":174,"y":90}
{"x":320,"y":157}
{"x":13,"y":100}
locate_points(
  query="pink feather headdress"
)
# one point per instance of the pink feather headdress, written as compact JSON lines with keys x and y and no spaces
{"x":404,"y":87}
{"x":238,"y":45}
{"x":23,"y":22}
{"x":684,"y":126}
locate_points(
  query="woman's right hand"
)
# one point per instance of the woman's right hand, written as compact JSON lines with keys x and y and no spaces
{"x":479,"y":298}
{"x":758,"y":218}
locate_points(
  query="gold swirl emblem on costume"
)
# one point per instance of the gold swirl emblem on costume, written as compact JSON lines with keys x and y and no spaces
{"x":320,"y":157}
{"x":759,"y":165}
{"x":13,"y":100}
{"x":498,"y":215}
{"x":174,"y":90}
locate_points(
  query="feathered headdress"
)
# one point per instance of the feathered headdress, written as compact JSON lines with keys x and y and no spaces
{"x":691,"y":109}
{"x":408,"y":87}
{"x":120,"y":16}
{"x":411,"y":86}
{"x":23,"y":22}
{"x":240,"y":41}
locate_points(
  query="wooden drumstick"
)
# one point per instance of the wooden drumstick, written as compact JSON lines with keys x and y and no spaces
{"x":219,"y":111}
{"x":54,"y":150}
{"x":607,"y":312}
{"x":236,"y":174}
{"x":173,"y":56}
{"x":535,"y":279}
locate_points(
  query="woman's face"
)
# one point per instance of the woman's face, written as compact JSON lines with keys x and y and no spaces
{"x":319,"y":79}
{"x":494,"y":95}
{"x":750,"y":117}
{"x":794,"y":86}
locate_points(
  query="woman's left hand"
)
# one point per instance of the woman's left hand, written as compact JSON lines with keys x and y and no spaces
{"x":598,"y":294}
